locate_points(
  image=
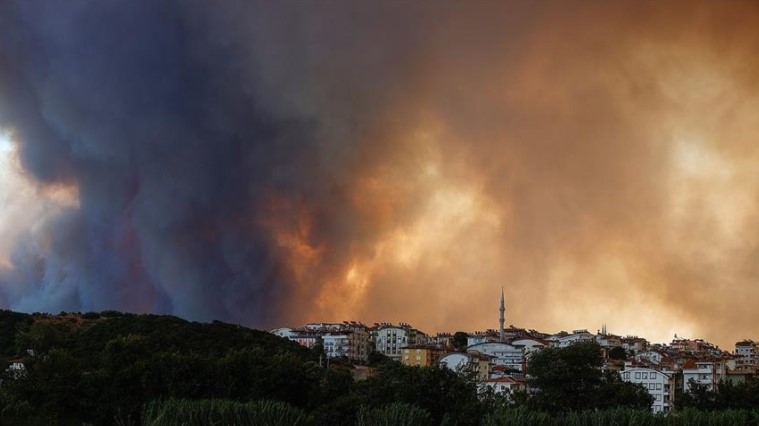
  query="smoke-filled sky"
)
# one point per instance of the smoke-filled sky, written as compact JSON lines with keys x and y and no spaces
{"x":273,"y":163}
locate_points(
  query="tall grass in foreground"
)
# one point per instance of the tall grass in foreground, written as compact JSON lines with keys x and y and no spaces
{"x":622,"y":417}
{"x":396,"y":414}
{"x":175,"y":412}
{"x":215,"y":412}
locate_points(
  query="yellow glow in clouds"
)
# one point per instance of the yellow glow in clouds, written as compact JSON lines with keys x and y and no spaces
{"x":25,"y":205}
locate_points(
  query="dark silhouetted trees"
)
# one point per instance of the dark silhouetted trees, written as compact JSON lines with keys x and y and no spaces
{"x":570,"y":379}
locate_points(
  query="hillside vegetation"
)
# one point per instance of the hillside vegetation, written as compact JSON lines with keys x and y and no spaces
{"x":97,"y":367}
{"x":112,"y":368}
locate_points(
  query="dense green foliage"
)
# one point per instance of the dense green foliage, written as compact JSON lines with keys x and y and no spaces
{"x":10,"y":323}
{"x":460,"y":340}
{"x":220,"y":413}
{"x":621,"y":416}
{"x":106,"y":368}
{"x":101,"y":367}
{"x":726,"y":396}
{"x":571,"y":379}
{"x":395,"y":414}
{"x":617,"y":353}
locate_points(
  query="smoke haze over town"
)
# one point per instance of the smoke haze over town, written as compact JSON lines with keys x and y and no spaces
{"x":273,"y":163}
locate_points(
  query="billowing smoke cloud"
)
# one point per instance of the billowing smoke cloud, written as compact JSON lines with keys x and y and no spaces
{"x":276,"y":162}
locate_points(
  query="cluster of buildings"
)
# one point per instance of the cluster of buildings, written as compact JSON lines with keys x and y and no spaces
{"x":499,"y":358}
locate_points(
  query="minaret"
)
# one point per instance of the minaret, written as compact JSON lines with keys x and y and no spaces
{"x":501,"y":320}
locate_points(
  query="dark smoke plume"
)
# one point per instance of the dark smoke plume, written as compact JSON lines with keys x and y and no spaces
{"x":276,"y":162}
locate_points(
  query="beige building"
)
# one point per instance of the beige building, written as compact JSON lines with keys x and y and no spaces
{"x":421,"y":355}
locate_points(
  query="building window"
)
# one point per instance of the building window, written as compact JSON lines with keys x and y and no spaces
{"x":637,"y":375}
{"x":645,"y":375}
{"x":658,"y":386}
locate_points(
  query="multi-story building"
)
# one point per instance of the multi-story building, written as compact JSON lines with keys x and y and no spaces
{"x":421,"y":355}
{"x":705,"y":373}
{"x":442,"y":340}
{"x":502,"y":354}
{"x":634,"y":344}
{"x":565,"y":339}
{"x":480,"y":337}
{"x":390,"y":339}
{"x":336,"y":345}
{"x":746,"y":351}
{"x":348,"y":339}
{"x":660,"y":385}
{"x":305,"y":338}
{"x":359,"y":342}
{"x":608,"y":340}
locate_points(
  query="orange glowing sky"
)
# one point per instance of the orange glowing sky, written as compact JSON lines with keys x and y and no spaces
{"x":597,"y":160}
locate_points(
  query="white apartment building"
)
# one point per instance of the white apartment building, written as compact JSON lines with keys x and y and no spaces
{"x":577,"y":336}
{"x":503,"y":354}
{"x":477,"y":338}
{"x":390,"y":339}
{"x":660,"y":385}
{"x":529,"y":346}
{"x":336,"y":345}
{"x":707,"y":373}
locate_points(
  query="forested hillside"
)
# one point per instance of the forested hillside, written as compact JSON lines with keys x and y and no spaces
{"x":97,"y":367}
{"x":116,"y":368}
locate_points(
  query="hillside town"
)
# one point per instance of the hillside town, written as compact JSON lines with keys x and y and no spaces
{"x":499,"y":358}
